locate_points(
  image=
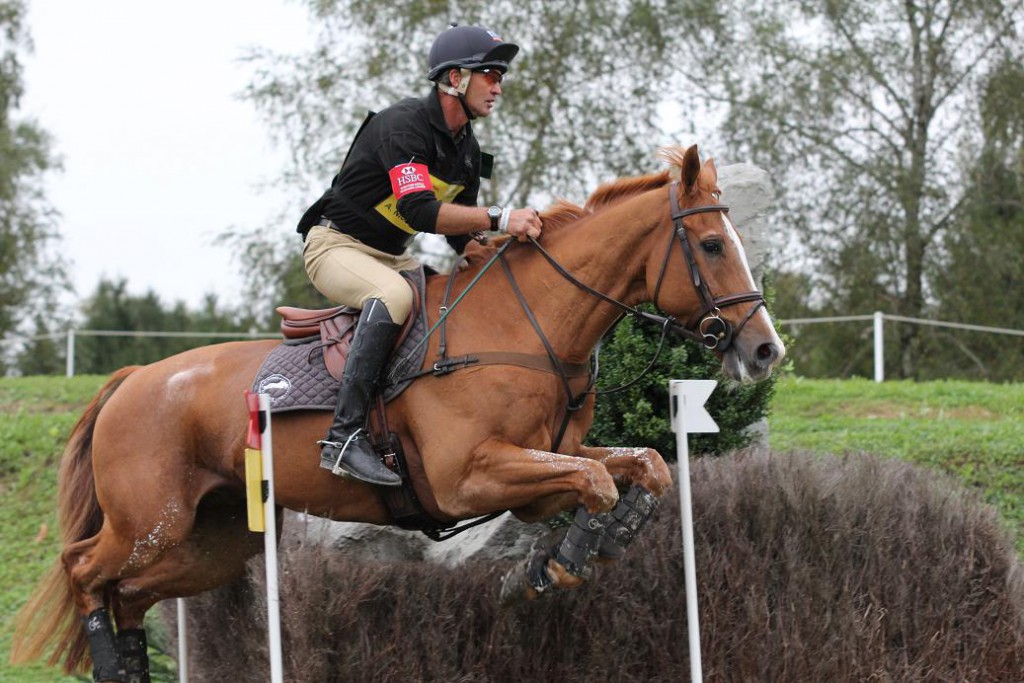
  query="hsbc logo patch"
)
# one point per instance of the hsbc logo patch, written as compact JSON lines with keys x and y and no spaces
{"x":409,"y":178}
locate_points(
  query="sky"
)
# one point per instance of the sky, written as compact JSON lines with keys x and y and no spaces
{"x":159,"y":153}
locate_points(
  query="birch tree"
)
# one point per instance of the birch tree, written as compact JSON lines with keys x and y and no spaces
{"x":867,"y":115}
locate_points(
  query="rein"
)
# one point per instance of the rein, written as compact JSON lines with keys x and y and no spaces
{"x":706,"y":326}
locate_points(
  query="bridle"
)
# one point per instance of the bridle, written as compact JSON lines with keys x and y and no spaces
{"x":706,"y":326}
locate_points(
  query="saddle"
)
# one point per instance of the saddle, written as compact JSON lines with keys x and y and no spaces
{"x":335,"y":327}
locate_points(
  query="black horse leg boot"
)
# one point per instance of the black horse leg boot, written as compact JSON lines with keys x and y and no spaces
{"x":346,"y":451}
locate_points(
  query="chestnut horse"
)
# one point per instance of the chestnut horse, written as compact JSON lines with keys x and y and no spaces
{"x":151,"y":484}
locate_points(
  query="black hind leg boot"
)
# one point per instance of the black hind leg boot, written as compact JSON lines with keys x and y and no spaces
{"x":107,"y":664}
{"x":133,"y":647}
{"x":346,"y":451}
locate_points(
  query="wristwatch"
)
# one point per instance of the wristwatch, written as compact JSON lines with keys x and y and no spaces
{"x":494,"y":213}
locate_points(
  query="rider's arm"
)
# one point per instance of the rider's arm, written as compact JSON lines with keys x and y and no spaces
{"x":425,"y":213}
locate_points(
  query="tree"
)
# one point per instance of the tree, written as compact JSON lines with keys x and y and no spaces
{"x":111,"y":308}
{"x":982,"y":274}
{"x":30,"y":273}
{"x":42,"y":355}
{"x":862,"y":110}
{"x":579,"y":107}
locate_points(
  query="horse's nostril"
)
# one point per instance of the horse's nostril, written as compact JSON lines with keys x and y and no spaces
{"x":766,"y":353}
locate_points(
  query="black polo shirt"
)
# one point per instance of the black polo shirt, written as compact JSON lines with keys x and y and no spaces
{"x":367,"y":200}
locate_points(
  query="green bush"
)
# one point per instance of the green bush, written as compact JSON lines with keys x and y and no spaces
{"x":639,"y":414}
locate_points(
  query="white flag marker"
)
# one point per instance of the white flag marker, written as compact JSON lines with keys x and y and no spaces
{"x":688,"y":415}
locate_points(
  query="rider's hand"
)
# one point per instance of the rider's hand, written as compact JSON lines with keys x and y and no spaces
{"x":524,"y":223}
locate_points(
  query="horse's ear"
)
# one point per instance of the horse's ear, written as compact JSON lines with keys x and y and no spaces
{"x":691,"y":168}
{"x":711,"y":172}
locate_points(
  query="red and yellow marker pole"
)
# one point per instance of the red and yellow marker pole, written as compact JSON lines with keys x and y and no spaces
{"x":255,"y":495}
{"x":262,"y":509}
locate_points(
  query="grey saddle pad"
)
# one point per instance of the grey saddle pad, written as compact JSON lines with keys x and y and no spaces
{"x":295,"y":377}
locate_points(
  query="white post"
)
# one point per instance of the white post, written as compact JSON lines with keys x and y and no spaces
{"x":182,"y":642}
{"x":879,"y":348}
{"x":270,"y":549}
{"x":69,"y":362}
{"x":688,"y":415}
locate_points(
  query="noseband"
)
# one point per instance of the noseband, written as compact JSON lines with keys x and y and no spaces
{"x":707,"y":326}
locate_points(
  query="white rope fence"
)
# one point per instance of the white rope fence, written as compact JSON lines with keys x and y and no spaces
{"x":72,"y":334}
{"x":878,"y":318}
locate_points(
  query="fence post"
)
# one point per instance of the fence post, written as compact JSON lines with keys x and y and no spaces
{"x":182,"y":642}
{"x":69,"y":363}
{"x":879,"y":348}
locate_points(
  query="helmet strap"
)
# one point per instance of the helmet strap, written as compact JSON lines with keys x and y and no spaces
{"x":460,"y":92}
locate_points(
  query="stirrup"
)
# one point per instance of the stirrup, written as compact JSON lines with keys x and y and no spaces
{"x":342,"y":447}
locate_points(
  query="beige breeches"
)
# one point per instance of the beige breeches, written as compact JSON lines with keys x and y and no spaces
{"x":348,"y":272}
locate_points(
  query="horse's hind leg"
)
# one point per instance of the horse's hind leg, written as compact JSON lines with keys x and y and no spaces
{"x":213,"y":555}
{"x":93,"y":567}
{"x":176,"y":551}
{"x":127,"y":545}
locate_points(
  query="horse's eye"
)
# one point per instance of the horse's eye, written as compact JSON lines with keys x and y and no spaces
{"x":713,"y":247}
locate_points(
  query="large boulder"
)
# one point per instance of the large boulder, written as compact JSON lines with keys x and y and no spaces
{"x":748,"y":191}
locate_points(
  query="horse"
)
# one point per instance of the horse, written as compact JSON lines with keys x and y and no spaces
{"x":151,"y":485}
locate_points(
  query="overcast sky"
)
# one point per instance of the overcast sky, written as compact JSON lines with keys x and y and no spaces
{"x":159,"y":154}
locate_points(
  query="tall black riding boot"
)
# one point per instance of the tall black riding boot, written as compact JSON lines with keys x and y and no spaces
{"x":346,"y":452}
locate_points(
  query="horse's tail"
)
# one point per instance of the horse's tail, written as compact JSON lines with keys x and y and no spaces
{"x":50,"y":614}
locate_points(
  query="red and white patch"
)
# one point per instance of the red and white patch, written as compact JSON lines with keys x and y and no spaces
{"x":409,"y":178}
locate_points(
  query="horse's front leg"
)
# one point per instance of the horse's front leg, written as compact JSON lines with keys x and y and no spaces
{"x":503,"y":476}
{"x":633,"y":466}
{"x":647,"y":477}
{"x":563,"y":562}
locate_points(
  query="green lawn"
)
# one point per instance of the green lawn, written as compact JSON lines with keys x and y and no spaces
{"x":971,"y":430}
{"x":36,"y":415}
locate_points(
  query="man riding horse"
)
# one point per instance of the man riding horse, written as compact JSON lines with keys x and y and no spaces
{"x":413,"y":168}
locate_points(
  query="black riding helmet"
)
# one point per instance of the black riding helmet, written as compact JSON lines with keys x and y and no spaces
{"x":468,"y":47}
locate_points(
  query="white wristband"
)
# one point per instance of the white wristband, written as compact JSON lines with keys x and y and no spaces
{"x":503,"y":221}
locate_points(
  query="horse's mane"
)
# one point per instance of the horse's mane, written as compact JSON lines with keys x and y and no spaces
{"x":563,"y":211}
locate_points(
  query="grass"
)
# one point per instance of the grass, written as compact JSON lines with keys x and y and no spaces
{"x":36,"y":416}
{"x":971,"y":430}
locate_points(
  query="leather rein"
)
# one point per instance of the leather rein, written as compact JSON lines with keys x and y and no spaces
{"x":706,"y":326}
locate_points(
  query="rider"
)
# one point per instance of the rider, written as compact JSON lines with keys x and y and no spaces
{"x":414,"y":167}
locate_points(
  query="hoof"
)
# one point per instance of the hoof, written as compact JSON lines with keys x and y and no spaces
{"x":516,"y":588}
{"x":526,"y":581}
{"x":566,"y":580}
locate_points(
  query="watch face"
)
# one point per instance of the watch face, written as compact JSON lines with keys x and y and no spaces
{"x":494,"y":212}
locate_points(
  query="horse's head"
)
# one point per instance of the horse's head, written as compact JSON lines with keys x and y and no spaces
{"x":704,"y":281}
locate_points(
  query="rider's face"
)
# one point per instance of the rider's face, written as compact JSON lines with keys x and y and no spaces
{"x":484,"y":91}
